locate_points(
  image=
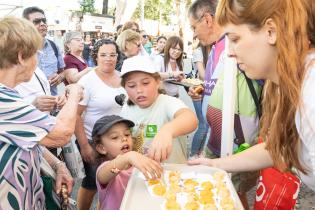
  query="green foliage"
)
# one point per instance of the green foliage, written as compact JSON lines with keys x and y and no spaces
{"x":153,"y":9}
{"x":87,"y":6}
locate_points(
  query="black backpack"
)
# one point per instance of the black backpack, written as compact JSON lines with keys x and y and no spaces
{"x":53,"y":45}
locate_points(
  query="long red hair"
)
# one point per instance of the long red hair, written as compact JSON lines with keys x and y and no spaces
{"x":294,"y":21}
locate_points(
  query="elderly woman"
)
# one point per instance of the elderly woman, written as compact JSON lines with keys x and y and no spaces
{"x":129,"y":43}
{"x":104,"y":79}
{"x":131,"y":25}
{"x":23,"y":128}
{"x":75,"y":64}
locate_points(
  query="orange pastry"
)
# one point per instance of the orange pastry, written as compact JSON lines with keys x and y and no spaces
{"x":170,"y":196}
{"x":191,"y":181}
{"x":174,"y":173}
{"x":205,"y":193}
{"x":207,"y":185}
{"x":224,"y":193}
{"x":159,"y":189}
{"x":218,"y":176}
{"x":192,"y":197}
{"x":172,"y":205}
{"x":174,"y":180}
{"x":189,"y":188}
{"x":174,"y":176}
{"x":192,"y":206}
{"x":153,"y":182}
{"x":206,"y":200}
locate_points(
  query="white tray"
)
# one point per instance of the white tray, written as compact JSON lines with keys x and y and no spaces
{"x":137,"y":196}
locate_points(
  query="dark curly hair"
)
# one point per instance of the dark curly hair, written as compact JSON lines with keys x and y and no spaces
{"x":100,"y":43}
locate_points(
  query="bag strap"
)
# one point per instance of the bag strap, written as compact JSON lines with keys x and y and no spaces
{"x":53,"y":45}
{"x":254,"y":95}
{"x":41,"y":84}
{"x":237,"y":122}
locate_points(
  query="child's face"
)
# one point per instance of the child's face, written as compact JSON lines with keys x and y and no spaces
{"x":117,"y":140}
{"x":142,"y":88}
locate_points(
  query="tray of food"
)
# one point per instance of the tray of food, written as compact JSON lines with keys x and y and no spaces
{"x":182,"y":187}
{"x":186,"y":82}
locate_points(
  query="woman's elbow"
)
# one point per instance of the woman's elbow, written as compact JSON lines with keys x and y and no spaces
{"x":55,"y":140}
{"x":194,"y":120}
{"x":62,"y":134}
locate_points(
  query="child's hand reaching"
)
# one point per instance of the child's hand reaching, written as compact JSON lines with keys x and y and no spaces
{"x":161,"y":146}
{"x":150,"y":168}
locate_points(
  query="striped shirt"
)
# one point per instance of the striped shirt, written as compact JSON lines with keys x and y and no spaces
{"x":22,"y":126}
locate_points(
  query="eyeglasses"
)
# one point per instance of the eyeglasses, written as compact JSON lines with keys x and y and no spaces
{"x":37,"y":21}
{"x":112,"y":55}
{"x":177,"y":49}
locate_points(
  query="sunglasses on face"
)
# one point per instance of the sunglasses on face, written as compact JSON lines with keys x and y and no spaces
{"x":37,"y":21}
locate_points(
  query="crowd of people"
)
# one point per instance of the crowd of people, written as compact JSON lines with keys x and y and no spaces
{"x":124,"y":113}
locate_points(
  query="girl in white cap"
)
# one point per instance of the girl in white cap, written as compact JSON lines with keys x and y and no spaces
{"x":159,"y":119}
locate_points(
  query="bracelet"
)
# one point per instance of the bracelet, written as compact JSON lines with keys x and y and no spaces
{"x":114,"y":170}
{"x":55,"y":166}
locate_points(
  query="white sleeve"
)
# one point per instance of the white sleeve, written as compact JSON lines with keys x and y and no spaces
{"x":308,"y":105}
{"x":159,"y":63}
{"x":86,"y":85}
{"x":173,"y":105}
{"x":197,"y":55}
{"x":306,"y":123}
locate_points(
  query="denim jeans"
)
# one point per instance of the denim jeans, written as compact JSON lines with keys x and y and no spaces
{"x":200,"y":135}
{"x":90,"y":62}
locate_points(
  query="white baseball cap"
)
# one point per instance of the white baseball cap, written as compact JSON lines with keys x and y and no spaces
{"x":138,"y":63}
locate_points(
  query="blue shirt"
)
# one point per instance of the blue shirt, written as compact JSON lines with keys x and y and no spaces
{"x":49,"y":63}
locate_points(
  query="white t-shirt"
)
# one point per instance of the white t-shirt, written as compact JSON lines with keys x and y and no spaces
{"x":33,"y":88}
{"x":99,"y":100}
{"x":151,"y":119}
{"x":170,"y":89}
{"x":197,"y":57}
{"x":305,"y":124}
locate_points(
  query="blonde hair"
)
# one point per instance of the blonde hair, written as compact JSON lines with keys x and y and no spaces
{"x":129,"y":25}
{"x":17,"y":36}
{"x":125,"y":37}
{"x":282,"y":100}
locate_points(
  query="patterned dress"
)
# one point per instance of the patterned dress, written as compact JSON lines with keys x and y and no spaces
{"x":22,"y":126}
